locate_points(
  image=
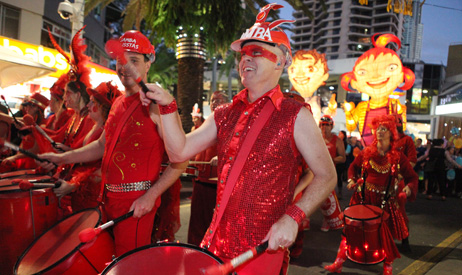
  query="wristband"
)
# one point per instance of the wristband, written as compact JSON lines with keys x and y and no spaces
{"x":168,"y":109}
{"x":296,"y":213}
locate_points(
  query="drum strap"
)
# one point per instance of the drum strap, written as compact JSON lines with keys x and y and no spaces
{"x":113,"y":143}
{"x":241,"y":159}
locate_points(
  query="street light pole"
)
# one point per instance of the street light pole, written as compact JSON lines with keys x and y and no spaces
{"x":77,"y":19}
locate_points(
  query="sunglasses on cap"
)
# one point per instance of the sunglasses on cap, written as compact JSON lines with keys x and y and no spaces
{"x":326,"y":121}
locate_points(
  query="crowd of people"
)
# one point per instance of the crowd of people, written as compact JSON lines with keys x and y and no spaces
{"x":263,"y":166}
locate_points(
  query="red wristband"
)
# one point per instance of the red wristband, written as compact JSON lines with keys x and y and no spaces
{"x":168,"y":109}
{"x":296,"y":213}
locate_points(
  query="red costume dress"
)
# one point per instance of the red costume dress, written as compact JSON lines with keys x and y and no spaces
{"x":137,"y":157}
{"x":265,"y":186}
{"x":203,"y":197}
{"x":54,"y":124}
{"x":378,"y":169}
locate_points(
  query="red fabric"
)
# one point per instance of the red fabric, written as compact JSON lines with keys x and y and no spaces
{"x":396,"y":222}
{"x":367,"y":135}
{"x":262,"y":193}
{"x":206,"y":172}
{"x":406,"y":145}
{"x":54,"y":124}
{"x":132,"y":232}
{"x":137,"y":156}
{"x":332,"y":146}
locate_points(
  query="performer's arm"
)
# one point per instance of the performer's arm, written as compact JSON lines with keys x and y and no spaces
{"x":341,"y":155}
{"x":180,"y":147}
{"x":411,"y":179}
{"x":145,"y":203}
{"x":310,"y":145}
{"x":304,"y":181}
{"x":90,"y":152}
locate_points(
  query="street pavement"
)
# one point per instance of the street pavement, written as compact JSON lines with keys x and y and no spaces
{"x":435,"y":239}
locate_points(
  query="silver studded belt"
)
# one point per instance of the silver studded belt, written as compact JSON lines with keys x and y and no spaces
{"x":128,"y":187}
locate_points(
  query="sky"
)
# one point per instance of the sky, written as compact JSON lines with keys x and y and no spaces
{"x":442,"y":27}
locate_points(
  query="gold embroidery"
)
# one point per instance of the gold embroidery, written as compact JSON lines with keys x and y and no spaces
{"x":383,"y":169}
{"x":133,"y":165}
{"x":117,"y":157}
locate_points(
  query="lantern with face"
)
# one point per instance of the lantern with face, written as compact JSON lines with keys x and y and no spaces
{"x":379,"y":74}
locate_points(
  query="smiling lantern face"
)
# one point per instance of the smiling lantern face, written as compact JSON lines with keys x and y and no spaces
{"x":378,"y":77}
{"x":306,"y":75}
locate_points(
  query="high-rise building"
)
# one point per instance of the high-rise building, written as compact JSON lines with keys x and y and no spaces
{"x":345,"y":28}
{"x":411,"y":43}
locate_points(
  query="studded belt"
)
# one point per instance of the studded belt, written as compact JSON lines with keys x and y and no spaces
{"x":128,"y":187}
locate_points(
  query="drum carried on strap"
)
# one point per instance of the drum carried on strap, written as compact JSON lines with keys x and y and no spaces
{"x":164,"y":258}
{"x":362,"y":232}
{"x":59,"y":250}
{"x":24,"y":216}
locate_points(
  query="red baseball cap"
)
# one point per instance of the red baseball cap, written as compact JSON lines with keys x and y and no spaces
{"x":135,"y":41}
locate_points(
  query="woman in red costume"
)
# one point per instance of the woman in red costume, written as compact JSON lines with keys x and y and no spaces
{"x":380,"y":161}
{"x":60,"y":114}
{"x":83,"y":181}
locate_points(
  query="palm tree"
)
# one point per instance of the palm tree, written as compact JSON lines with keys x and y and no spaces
{"x":220,"y":21}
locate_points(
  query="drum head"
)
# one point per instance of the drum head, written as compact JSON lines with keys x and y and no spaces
{"x":165,"y":259}
{"x":56,"y":244}
{"x":6,"y":184}
{"x":362,"y":212}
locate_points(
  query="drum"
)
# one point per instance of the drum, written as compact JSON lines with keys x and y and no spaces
{"x":190,"y":173}
{"x":59,"y":250}
{"x":330,"y":208}
{"x":362,"y":232}
{"x":165,"y":259}
{"x":17,"y":173}
{"x":24,"y":216}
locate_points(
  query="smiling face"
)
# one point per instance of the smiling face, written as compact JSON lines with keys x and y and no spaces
{"x":378,"y":77}
{"x":258,"y":65}
{"x":307,"y":74}
{"x":138,"y":61}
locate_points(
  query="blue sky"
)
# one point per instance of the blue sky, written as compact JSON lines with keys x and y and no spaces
{"x":442,"y":27}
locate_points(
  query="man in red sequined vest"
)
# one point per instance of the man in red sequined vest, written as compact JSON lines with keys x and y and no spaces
{"x":130,"y":169}
{"x":261,"y":140}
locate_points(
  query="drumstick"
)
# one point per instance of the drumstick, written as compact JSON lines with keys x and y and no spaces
{"x":28,"y":120}
{"x":26,"y":185}
{"x":16,"y":148}
{"x":199,"y":162}
{"x":89,"y":234}
{"x":228,"y":267}
{"x":115,"y":50}
{"x":8,"y":107}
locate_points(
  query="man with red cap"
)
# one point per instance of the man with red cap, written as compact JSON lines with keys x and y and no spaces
{"x":132,"y":148}
{"x":261,"y":140}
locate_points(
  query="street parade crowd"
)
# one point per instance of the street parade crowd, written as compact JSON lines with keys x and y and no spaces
{"x":261,"y":164}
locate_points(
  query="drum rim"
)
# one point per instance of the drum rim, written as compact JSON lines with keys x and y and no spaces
{"x":126,"y":254}
{"x":12,"y":176}
{"x":17,"y":185}
{"x":16,"y":265}
{"x":368,"y":219}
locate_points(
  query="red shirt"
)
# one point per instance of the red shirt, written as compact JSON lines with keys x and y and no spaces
{"x":266,"y":184}
{"x":137,"y":155}
{"x":332,"y":146}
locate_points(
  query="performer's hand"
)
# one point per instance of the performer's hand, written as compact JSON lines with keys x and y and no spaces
{"x":407,"y":190}
{"x":351,"y":185}
{"x":63,"y":147}
{"x":143,"y":205}
{"x":214,"y":161}
{"x":282,"y":234}
{"x":161,"y":96}
{"x":53,"y":158}
{"x":64,"y":189}
{"x":8,"y":161}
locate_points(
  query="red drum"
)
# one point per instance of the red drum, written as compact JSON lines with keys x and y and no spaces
{"x":330,"y":208}
{"x":362,"y":232}
{"x":190,"y":172}
{"x":24,"y":216}
{"x":59,"y":250}
{"x":17,"y":173}
{"x":164,"y":258}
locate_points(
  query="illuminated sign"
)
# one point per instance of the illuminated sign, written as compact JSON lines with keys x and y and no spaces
{"x":52,"y":58}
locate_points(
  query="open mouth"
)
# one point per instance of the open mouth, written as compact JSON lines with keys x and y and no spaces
{"x":302,"y":81}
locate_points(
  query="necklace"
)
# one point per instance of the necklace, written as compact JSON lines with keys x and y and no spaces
{"x":380,"y":168}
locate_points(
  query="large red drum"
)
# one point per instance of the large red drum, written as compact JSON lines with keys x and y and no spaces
{"x":165,"y":259}
{"x":59,"y":250}
{"x":24,"y":216}
{"x":362,"y":232}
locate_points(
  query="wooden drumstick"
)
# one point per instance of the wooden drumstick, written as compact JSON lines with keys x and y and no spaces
{"x":8,"y":107}
{"x":228,"y":267}
{"x":89,"y":234}
{"x":199,"y":162}
{"x":26,"y":185}
{"x":14,"y":147}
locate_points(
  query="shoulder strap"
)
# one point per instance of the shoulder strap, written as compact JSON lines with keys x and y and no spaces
{"x":111,"y":146}
{"x":241,"y":158}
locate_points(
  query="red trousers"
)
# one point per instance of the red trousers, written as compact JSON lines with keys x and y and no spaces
{"x":132,"y":232}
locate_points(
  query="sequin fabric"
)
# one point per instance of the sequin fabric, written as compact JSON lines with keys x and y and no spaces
{"x":379,"y":181}
{"x":266,"y":184}
{"x":137,"y":155}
